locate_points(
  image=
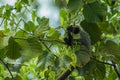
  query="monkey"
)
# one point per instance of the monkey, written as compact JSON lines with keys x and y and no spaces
{"x":69,"y":38}
{"x":77,"y":34}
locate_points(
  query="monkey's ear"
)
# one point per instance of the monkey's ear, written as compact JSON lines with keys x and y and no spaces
{"x":70,"y":28}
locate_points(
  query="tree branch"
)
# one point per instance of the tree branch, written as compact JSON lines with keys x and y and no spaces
{"x":101,"y":61}
{"x":2,"y":22}
{"x":116,"y":69}
{"x":66,"y":73}
{"x":53,"y":40}
{"x":7,"y":68}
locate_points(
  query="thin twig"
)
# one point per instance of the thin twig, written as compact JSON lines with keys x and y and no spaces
{"x":7,"y":68}
{"x":46,"y":46}
{"x":102,"y":62}
{"x":57,"y":41}
{"x":116,"y":69}
{"x":66,"y":73}
{"x":21,"y":38}
{"x":2,"y":22}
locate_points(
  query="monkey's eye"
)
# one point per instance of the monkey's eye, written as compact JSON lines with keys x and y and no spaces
{"x":76,"y":30}
{"x":70,"y":28}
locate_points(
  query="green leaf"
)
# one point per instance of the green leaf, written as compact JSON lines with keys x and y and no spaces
{"x":67,"y":59}
{"x":33,"y":15}
{"x":111,"y":51}
{"x":93,"y":70}
{"x":8,"y":7}
{"x":63,"y":17}
{"x":1,"y":10}
{"x":29,"y":26}
{"x":60,"y":3}
{"x":74,"y":5}
{"x":93,"y":30}
{"x":51,"y":75}
{"x":106,"y":27}
{"x":43,"y":26}
{"x":25,"y":1}
{"x":21,"y":34}
{"x":31,"y":47}
{"x":18,"y":77}
{"x":34,"y":44}
{"x":53,"y":33}
{"x":14,"y":49}
{"x":42,"y":21}
{"x":3,"y":52}
{"x":1,"y":38}
{"x":1,"y":70}
{"x":7,"y":14}
{"x":45,"y":60}
{"x":111,"y":74}
{"x":18,"y":6}
{"x":95,"y":12}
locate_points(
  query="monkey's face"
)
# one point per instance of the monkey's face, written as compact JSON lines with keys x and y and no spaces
{"x":73,"y":34}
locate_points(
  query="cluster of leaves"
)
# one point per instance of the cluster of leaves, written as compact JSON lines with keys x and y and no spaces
{"x":31,"y":49}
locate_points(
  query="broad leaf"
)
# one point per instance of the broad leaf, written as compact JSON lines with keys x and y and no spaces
{"x":18,"y":77}
{"x":74,"y":5}
{"x":3,"y":52}
{"x":25,"y":1}
{"x":1,"y":38}
{"x":29,"y":26}
{"x":18,"y":6}
{"x":111,"y":51}
{"x":14,"y":49}
{"x":42,"y":27}
{"x":93,"y":30}
{"x":93,"y":70}
{"x":53,"y":33}
{"x":95,"y":12}
{"x":106,"y":27}
{"x":45,"y":60}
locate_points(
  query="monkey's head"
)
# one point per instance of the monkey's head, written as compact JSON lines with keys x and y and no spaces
{"x":73,"y":33}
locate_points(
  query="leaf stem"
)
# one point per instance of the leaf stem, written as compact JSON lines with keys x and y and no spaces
{"x":7,"y":68}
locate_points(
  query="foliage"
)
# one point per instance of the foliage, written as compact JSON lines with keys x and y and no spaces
{"x":30,"y":49}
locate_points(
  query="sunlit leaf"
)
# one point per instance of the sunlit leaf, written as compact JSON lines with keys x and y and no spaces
{"x":53,"y":33}
{"x":1,"y":70}
{"x":29,"y":26}
{"x":45,"y":60}
{"x":18,"y":6}
{"x":7,"y":14}
{"x":3,"y":52}
{"x":21,"y":34}
{"x":25,"y":1}
{"x":43,"y":26}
